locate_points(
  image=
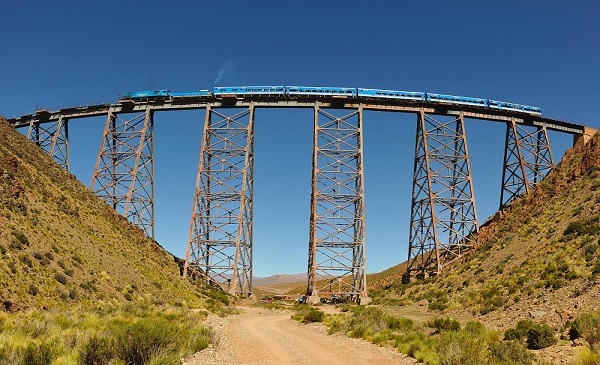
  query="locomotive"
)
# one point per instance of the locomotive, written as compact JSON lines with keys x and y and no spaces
{"x":312,"y":91}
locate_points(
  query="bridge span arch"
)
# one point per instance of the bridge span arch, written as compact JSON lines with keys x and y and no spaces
{"x":219,"y":249}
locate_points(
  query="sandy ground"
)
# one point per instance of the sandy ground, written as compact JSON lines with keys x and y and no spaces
{"x":262,"y":337}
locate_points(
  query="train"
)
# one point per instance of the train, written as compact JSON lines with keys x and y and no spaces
{"x":312,"y":91}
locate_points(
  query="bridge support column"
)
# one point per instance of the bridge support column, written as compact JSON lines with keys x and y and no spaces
{"x":53,"y":138}
{"x":527,"y":160}
{"x":220,"y":240}
{"x":124,"y":172}
{"x":443,"y":215}
{"x":337,"y":231}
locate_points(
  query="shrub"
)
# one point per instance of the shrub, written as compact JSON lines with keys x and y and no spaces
{"x":586,"y":356}
{"x":21,"y":238}
{"x":444,"y":324}
{"x":98,"y":350}
{"x":540,"y":336}
{"x":147,"y":338}
{"x":537,"y":335}
{"x":461,"y":348}
{"x":587,"y":326}
{"x":39,"y":353}
{"x":583,"y":227}
{"x":61,"y":278}
{"x":511,"y":352}
{"x":314,"y":315}
{"x":307,"y":314}
{"x":33,"y":290}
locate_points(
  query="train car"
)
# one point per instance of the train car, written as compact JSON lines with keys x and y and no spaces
{"x":265,"y":90}
{"x":503,"y":105}
{"x":145,"y":94}
{"x":463,"y":100}
{"x":391,"y":94}
{"x":320,"y":91}
{"x":190,"y":94}
{"x":229,"y":90}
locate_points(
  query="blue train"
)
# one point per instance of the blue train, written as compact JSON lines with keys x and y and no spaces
{"x":308,"y":91}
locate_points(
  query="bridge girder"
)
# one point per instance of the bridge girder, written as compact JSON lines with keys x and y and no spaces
{"x":441,"y":226}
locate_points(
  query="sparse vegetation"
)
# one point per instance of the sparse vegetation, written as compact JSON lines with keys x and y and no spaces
{"x":587,"y":326}
{"x":449,"y":344}
{"x":307,"y":314}
{"x":103,"y":335}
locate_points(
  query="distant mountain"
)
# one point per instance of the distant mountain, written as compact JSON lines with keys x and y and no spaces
{"x":280,"y":279}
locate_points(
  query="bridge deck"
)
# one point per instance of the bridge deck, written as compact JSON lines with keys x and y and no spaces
{"x":405,"y":106}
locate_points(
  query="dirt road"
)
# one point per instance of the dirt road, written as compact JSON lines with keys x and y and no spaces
{"x":264,"y":337}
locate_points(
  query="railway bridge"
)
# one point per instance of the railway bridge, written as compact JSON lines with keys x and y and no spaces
{"x":443,"y":223}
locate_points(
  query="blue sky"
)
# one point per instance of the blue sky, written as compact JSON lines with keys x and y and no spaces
{"x":542,"y":53}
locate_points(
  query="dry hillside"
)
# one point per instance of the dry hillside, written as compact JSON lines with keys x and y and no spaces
{"x":61,"y":245}
{"x":539,"y":259}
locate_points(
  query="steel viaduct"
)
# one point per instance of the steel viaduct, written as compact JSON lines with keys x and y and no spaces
{"x":443,"y":223}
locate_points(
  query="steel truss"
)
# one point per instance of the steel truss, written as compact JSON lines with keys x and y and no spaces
{"x":52,"y":137}
{"x":124,"y":172}
{"x":443,"y":215}
{"x":527,"y":160}
{"x":220,"y":237}
{"x":337,"y":230}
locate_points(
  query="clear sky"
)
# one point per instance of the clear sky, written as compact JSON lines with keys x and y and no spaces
{"x":541,"y":53}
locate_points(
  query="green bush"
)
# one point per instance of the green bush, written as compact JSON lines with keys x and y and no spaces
{"x":444,"y":324}
{"x":583,"y":227}
{"x":461,"y":348}
{"x":512,"y":352}
{"x":61,"y":278}
{"x":536,"y":335}
{"x":41,"y":353}
{"x":314,"y":315}
{"x":147,"y":338}
{"x":98,"y":350}
{"x":307,"y":314}
{"x":587,"y":326}
{"x":540,"y":336}
{"x":587,"y":356}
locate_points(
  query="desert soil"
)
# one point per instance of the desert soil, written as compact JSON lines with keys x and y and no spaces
{"x":262,"y":336}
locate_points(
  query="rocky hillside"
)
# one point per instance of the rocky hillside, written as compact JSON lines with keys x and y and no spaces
{"x":61,"y":245}
{"x":539,"y":259}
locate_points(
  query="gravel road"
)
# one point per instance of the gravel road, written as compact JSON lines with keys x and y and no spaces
{"x":264,"y":337}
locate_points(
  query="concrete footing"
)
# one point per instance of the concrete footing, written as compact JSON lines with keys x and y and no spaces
{"x":313,"y":299}
{"x":364,"y":300}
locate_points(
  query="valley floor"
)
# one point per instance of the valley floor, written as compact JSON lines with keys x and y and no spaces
{"x":262,"y":336}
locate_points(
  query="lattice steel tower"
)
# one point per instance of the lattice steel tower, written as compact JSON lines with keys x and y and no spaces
{"x":53,"y":138}
{"x":124,"y":172}
{"x":443,"y":216}
{"x":220,"y":239}
{"x":527,"y":160}
{"x":337,"y":229}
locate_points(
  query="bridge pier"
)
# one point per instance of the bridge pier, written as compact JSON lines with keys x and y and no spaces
{"x":220,"y":236}
{"x":124,"y":172}
{"x":527,"y":160}
{"x":53,"y":138}
{"x":582,"y":138}
{"x":443,"y":215}
{"x":337,"y":242}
